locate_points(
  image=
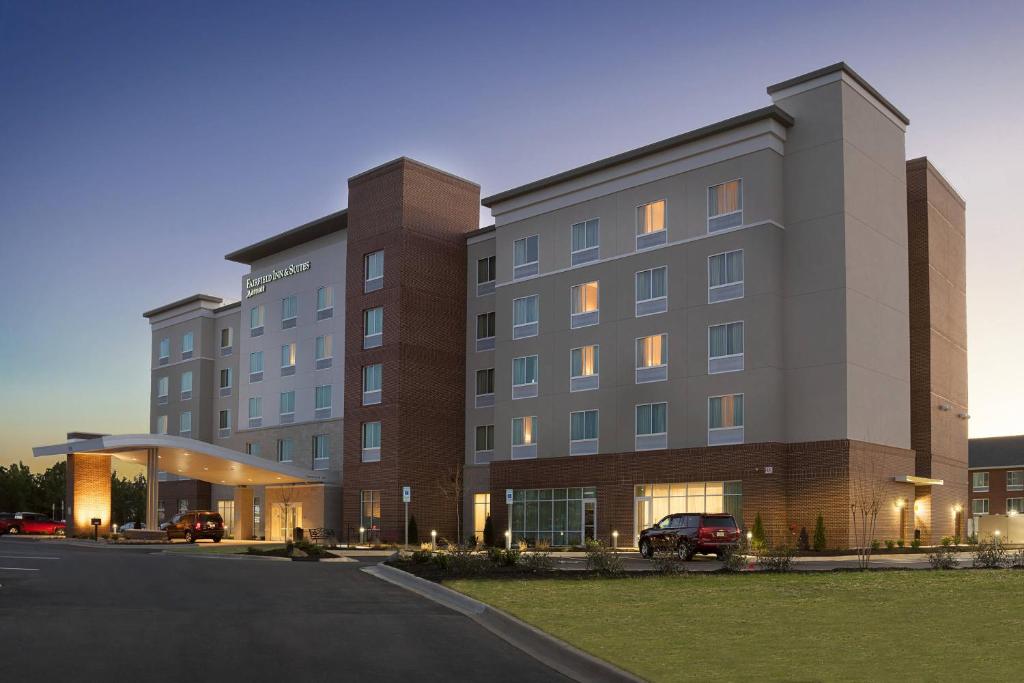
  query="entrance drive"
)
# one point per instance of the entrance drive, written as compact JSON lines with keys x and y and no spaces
{"x":284,"y":518}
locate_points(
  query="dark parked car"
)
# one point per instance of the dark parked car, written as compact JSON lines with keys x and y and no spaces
{"x":29,"y":523}
{"x":194,"y":525}
{"x":688,"y":534}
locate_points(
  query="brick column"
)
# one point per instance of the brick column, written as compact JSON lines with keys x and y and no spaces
{"x":152,"y":488}
{"x":88,"y":492}
{"x":243,"y":513}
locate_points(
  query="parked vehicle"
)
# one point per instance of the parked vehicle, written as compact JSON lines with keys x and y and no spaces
{"x":689,"y":534}
{"x":29,"y":523}
{"x":195,"y":524}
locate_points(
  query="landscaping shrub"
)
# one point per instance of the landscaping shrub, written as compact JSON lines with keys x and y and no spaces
{"x":734,"y":559}
{"x":777,"y":559}
{"x":1016,"y":559}
{"x":803,"y":541}
{"x":948,"y":541}
{"x":819,"y":534}
{"x":668,"y":564}
{"x":543,"y":544}
{"x":875,"y":545}
{"x":537,"y":562}
{"x":420,"y":556}
{"x":900,"y":543}
{"x":602,"y":560}
{"x":890,"y":544}
{"x":488,"y":532}
{"x":757,"y":539}
{"x":916,"y":543}
{"x":990,"y":554}
{"x":311,"y":549}
{"x":504,"y":558}
{"x":944,"y":557}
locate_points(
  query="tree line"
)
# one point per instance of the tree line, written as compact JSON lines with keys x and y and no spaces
{"x":21,"y":490}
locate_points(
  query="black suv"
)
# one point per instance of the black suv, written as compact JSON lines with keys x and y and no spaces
{"x":194,"y":525}
{"x":687,"y":534}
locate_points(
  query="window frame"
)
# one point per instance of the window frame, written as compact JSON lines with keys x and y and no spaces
{"x":738,"y":284}
{"x":741,"y":355}
{"x":584,"y":318}
{"x":526,"y":325}
{"x":533,"y":435}
{"x":368,"y":281}
{"x":532,"y":266}
{"x":662,"y":238}
{"x":280,"y":404}
{"x":181,"y":422}
{"x":587,"y":445}
{"x":526,"y":389}
{"x":370,"y":453}
{"x":485,"y":287}
{"x":975,"y":513}
{"x":1015,"y":487}
{"x":707,"y":201}
{"x":191,"y":337}
{"x":983,"y":488}
{"x":378,"y":337}
{"x":646,"y":374}
{"x":734,"y":429}
{"x":281,"y":448}
{"x":654,"y":302}
{"x":585,"y":254}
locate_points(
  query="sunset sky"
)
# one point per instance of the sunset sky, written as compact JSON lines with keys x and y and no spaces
{"x":140,"y":142}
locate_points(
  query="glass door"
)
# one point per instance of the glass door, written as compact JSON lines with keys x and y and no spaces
{"x":226,"y":508}
{"x":642,"y":520}
{"x":286,"y":516}
{"x":589,"y":519}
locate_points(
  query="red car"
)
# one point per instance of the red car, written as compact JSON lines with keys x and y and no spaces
{"x":29,"y":523}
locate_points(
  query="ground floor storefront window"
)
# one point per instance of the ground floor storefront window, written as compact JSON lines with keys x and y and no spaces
{"x":369,"y":515}
{"x":226,"y":508}
{"x":654,"y":501}
{"x":481,"y":511}
{"x":557,"y":517}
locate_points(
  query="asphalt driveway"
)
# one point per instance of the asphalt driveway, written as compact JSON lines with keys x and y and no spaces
{"x":108,"y":614}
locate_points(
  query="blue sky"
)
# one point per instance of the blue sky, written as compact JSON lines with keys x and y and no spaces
{"x":139,"y":142}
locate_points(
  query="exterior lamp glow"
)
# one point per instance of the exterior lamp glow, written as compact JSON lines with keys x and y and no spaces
{"x":615,"y":540}
{"x":508,"y":540}
{"x":433,"y":539}
{"x":362,"y":530}
{"x":750,"y":535}
{"x":957,"y":508}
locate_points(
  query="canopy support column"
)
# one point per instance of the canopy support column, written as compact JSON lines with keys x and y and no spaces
{"x":152,"y":484}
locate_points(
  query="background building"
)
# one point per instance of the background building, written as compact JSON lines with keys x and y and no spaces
{"x":996,"y":476}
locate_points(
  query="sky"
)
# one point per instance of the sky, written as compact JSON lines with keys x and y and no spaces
{"x":142,"y":141}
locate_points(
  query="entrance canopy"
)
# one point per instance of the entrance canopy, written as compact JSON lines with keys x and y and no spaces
{"x":189,"y":458}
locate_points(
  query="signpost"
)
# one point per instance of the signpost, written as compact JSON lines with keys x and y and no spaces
{"x":406,"y":498}
{"x":508,"y":533}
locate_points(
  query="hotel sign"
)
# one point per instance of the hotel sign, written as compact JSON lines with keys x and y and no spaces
{"x":258,"y":285}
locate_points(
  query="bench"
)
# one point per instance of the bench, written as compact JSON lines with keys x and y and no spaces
{"x":317,"y":535}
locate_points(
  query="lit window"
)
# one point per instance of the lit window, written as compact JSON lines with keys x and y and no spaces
{"x":1014,"y":506}
{"x":185,"y":422}
{"x":524,"y":431}
{"x":979,"y":481}
{"x":650,"y":217}
{"x":161,"y":424}
{"x":725,"y":348}
{"x":369,"y":511}
{"x":584,"y":361}
{"x":285,"y":450}
{"x":288,"y":355}
{"x":725,"y":205}
{"x":287,"y":403}
{"x":374,"y":270}
{"x":979,"y":506}
{"x":725,"y":419}
{"x":725,"y":276}
{"x":651,"y":419}
{"x":585,"y":306}
{"x":652,"y":358}
{"x":481,"y":511}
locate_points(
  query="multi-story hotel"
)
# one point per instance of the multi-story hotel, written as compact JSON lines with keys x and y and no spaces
{"x":762,"y":316}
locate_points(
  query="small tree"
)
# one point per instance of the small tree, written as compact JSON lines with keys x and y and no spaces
{"x":819,"y":534}
{"x":414,"y":532}
{"x":866,"y":497}
{"x":488,"y":532}
{"x":757,"y":539}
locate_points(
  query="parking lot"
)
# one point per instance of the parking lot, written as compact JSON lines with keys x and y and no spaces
{"x":104,"y":613}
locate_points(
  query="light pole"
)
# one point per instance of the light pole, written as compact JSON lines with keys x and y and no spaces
{"x":615,"y":541}
{"x":433,"y":540}
{"x":508,"y":540}
{"x":362,"y":530}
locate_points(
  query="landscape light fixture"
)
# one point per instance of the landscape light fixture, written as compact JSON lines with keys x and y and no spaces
{"x":615,"y":540}
{"x":362,"y":530}
{"x":433,"y":539}
{"x":508,"y":540}
{"x":95,"y":528}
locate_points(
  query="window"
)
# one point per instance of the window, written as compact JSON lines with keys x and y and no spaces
{"x":552,"y":516}
{"x":725,"y":419}
{"x":256,"y":366}
{"x":652,"y":291}
{"x":225,"y":381}
{"x":185,"y":423}
{"x":979,"y":481}
{"x":285,"y":450}
{"x":1014,"y":506}
{"x":525,"y":257}
{"x":725,"y":276}
{"x":524,"y":377}
{"x":1015,"y":480}
{"x":324,"y":303}
{"x":373,"y":327}
{"x":585,"y":307}
{"x":186,"y":385}
{"x":585,"y":242}
{"x":481,"y":511}
{"x":288,"y":356}
{"x":524,"y":437}
{"x":188,"y":342}
{"x":225,"y":338}
{"x":652,"y":358}
{"x":373,"y":271}
{"x":485,"y":331}
{"x":372,"y":378}
{"x":289,"y":311}
{"x":979,"y":506}
{"x":725,"y":205}
{"x":694,"y":497}
{"x":224,"y":422}
{"x":165,"y":350}
{"x":583,"y":432}
{"x":161,"y":424}
{"x":485,"y":276}
{"x":162,"y":388}
{"x":287,"y":405}
{"x":182,"y":505}
{"x":321,"y":451}
{"x":651,"y":426}
{"x":323,"y":350}
{"x":524,"y":317}
{"x":484,"y":447}
{"x":252,"y":448}
{"x":322,"y":401}
{"x":371,"y":442}
{"x":256,"y":512}
{"x":725,"y":348}
{"x":650,"y":225}
{"x":584,"y":368}
{"x":369,"y":511}
{"x":257,"y":314}
{"x":485,"y":388}
{"x":255,"y":411}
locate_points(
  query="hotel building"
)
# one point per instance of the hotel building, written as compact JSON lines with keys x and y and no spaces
{"x":764,"y":316}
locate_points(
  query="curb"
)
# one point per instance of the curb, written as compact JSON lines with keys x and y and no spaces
{"x":548,"y":650}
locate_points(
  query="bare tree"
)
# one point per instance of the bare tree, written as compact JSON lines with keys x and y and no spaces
{"x":867,"y":495}
{"x":450,"y":487}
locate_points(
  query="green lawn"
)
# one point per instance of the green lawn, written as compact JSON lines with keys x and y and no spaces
{"x":893,"y":625}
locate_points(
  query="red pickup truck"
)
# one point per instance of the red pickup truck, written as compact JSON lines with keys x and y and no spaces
{"x":29,"y":523}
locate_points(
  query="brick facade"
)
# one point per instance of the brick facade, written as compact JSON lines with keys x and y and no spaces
{"x":196,"y":492}
{"x":419,"y":216}
{"x":88,"y":492}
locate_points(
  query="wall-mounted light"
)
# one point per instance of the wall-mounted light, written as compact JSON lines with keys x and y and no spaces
{"x":945,"y":407}
{"x":964,"y":416}
{"x":901,"y":503}
{"x":957,"y":509}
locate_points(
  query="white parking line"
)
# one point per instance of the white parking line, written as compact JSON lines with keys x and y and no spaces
{"x":18,"y":569}
{"x":29,"y":557}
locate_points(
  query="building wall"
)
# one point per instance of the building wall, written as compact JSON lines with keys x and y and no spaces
{"x":997,"y":492}
{"x":174,"y":326}
{"x":88,"y":493}
{"x":419,"y":216}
